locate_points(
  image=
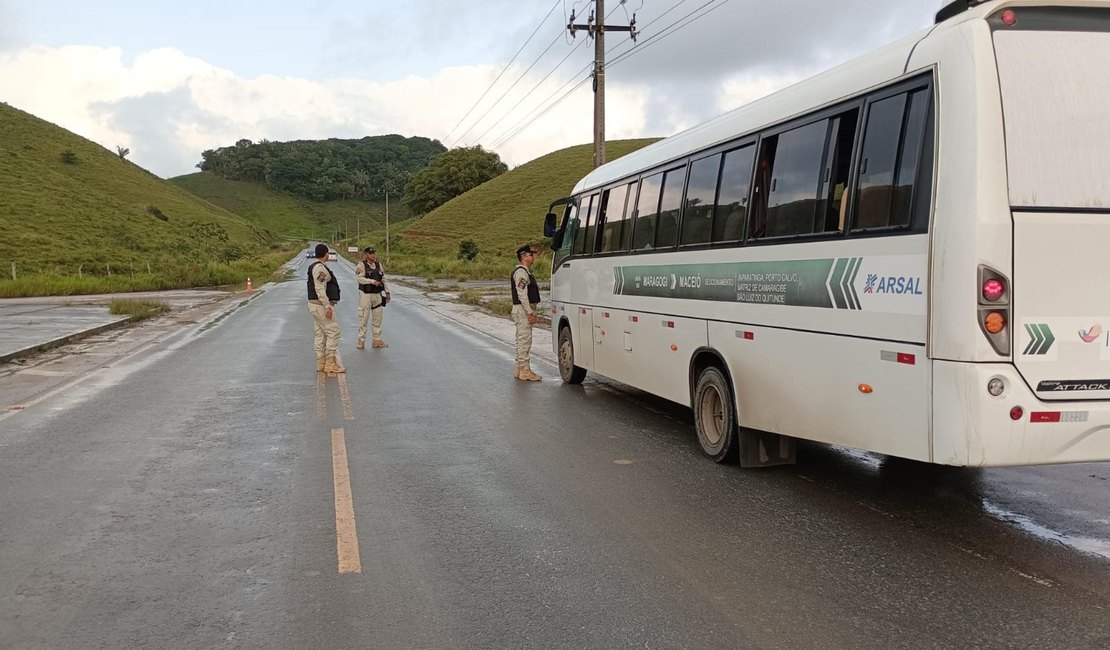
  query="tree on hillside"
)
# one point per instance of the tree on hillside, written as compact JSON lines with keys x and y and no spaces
{"x":449,"y":175}
{"x":122,"y":151}
{"x":324,"y":170}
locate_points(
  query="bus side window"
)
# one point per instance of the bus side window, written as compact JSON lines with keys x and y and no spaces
{"x":630,"y":214}
{"x":701,"y":193}
{"x":583,"y":240}
{"x":647,"y":211}
{"x":570,"y":232}
{"x":757,"y":225}
{"x":833,"y":197}
{"x":891,"y":148}
{"x":612,"y":218}
{"x":670,"y":206}
{"x":795,"y":179}
{"x":732,"y":201}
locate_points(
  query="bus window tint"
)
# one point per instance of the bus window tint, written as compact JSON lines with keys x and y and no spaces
{"x":583,"y":240}
{"x":570,"y":231}
{"x":670,"y":208}
{"x":901,"y":205}
{"x":795,"y":176}
{"x":878,"y":167}
{"x":613,"y":218}
{"x":647,"y":209}
{"x":697,"y":217}
{"x":832,"y":198}
{"x":732,"y":204}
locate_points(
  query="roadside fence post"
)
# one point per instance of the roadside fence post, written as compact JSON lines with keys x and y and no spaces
{"x":13,"y":270}
{"x":80,"y":268}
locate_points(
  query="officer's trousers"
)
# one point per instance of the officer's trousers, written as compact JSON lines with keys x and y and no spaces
{"x":370,"y":308}
{"x":523,"y":334}
{"x":326,"y":339}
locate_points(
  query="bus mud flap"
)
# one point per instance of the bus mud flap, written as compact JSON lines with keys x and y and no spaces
{"x":765,"y":449}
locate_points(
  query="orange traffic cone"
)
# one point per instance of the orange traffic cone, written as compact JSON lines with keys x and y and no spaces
{"x":250,"y":287}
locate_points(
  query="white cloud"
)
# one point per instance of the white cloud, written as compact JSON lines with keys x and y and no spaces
{"x":167,"y":106}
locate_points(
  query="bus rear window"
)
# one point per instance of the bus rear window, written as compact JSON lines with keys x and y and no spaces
{"x":1052,"y":72}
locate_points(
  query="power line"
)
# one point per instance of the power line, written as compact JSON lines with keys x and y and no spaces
{"x":509,"y":89}
{"x":518,"y":128}
{"x":540,"y":83}
{"x":669,"y":30}
{"x":499,"y":75}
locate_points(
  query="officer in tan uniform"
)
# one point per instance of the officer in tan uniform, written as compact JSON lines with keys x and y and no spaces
{"x":373,"y":295}
{"x":323,"y":294}
{"x":526,"y":296}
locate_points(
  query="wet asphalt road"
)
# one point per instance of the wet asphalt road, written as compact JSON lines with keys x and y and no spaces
{"x":185,"y":499}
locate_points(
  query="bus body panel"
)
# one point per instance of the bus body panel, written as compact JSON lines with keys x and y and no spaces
{"x":971,"y":224}
{"x":1062,"y":304}
{"x":972,"y":428}
{"x":779,"y":388}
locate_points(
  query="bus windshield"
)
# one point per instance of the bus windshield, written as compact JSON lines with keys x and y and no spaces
{"x":1052,"y":72}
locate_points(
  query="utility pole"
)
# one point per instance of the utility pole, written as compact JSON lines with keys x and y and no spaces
{"x":596,"y":30}
{"x":387,"y":226}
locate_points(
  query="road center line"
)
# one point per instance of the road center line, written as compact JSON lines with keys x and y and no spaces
{"x":321,"y":396}
{"x":345,"y":396}
{"x":346,"y":537}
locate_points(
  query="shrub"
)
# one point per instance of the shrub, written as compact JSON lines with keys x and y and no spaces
{"x":68,"y":157}
{"x":468,"y":250}
{"x":156,"y":213}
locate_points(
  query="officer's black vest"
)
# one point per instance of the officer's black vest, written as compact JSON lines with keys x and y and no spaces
{"x":376,"y":274}
{"x":533,"y":287}
{"x":332,"y":286}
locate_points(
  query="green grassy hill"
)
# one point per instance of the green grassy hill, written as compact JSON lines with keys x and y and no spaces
{"x":69,"y":207}
{"x":508,"y":211}
{"x":287,"y":215}
{"x":499,"y":215}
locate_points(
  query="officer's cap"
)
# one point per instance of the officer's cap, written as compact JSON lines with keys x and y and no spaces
{"x":369,"y":249}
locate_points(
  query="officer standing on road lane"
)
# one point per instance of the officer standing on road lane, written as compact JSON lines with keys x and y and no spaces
{"x":526,"y":296}
{"x":373,"y":295}
{"x":323,"y":293}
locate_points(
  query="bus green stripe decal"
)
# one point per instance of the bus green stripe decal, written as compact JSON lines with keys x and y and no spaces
{"x":825,"y":283}
{"x":802,"y":283}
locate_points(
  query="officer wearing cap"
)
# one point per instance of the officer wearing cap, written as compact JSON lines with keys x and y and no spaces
{"x":526,"y":296}
{"x":373,"y":295}
{"x":323,"y":293}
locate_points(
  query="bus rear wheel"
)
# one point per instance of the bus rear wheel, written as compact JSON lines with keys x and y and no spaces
{"x":570,"y":373}
{"x":715,"y":415}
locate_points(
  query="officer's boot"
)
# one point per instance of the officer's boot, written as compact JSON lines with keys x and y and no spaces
{"x":516,"y":373}
{"x":380,"y":344}
{"x":527,"y":375}
{"x":319,"y":364}
{"x":361,"y":345}
{"x":332,"y":365}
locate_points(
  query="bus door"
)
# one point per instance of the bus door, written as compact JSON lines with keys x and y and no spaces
{"x":1058,"y":163}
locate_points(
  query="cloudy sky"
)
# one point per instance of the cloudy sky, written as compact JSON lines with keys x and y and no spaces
{"x":168,"y":79}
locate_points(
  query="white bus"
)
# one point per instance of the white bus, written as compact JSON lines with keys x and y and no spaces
{"x":908,"y":254}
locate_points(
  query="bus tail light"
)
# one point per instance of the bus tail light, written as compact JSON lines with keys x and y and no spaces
{"x":994,"y":308}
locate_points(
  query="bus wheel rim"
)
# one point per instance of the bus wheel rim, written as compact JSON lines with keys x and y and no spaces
{"x":712,"y":415}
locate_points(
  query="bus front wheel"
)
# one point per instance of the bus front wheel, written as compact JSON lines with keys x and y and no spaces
{"x":715,"y":415}
{"x":570,"y":373}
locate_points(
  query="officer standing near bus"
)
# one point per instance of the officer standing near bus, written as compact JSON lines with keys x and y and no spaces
{"x":373,"y":295}
{"x":323,"y":294}
{"x":526,"y":296}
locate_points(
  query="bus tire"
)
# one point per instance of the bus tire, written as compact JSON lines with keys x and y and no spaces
{"x":715,"y":415}
{"x":570,"y":373}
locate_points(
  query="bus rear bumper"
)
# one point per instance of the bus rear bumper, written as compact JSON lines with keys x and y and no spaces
{"x":972,"y":427}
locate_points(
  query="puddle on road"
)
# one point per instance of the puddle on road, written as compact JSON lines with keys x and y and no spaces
{"x":1085,"y":544}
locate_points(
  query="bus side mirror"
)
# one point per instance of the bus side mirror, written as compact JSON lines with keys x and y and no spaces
{"x":549,"y":225}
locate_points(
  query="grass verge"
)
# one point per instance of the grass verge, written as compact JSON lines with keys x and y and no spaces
{"x":137,"y":310}
{"x":210,"y":274}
